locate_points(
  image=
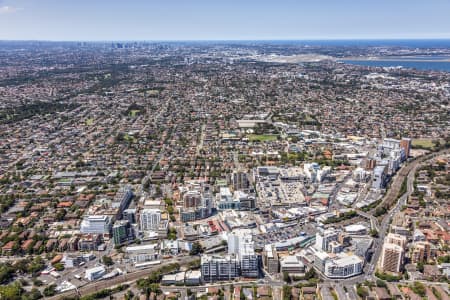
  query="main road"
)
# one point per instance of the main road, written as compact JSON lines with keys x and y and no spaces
{"x":408,"y":172}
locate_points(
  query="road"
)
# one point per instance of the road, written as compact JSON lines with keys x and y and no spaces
{"x":373,"y":220}
{"x":202,"y":138}
{"x":237,"y":164}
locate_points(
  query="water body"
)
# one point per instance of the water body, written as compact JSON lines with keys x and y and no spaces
{"x":425,"y":64}
{"x":407,"y":43}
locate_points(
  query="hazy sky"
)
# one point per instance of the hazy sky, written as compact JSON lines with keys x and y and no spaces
{"x":222,"y":19}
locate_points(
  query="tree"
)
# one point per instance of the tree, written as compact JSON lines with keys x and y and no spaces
{"x":34,"y":294}
{"x":373,"y":233}
{"x":196,"y":248}
{"x":58,"y":266}
{"x":172,"y":233}
{"x":381,"y":283}
{"x":362,"y":292}
{"x":419,"y":288}
{"x":286,"y":277}
{"x":287,"y":292}
{"x":129,"y":295}
{"x":310,"y":274}
{"x":50,"y":290}
{"x":420,"y":267}
{"x":11,"y":291}
{"x":107,"y":260}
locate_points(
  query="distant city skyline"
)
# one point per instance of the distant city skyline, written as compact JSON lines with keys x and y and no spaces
{"x":103,"y":20}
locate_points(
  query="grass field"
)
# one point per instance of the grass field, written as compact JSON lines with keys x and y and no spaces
{"x":423,"y":143}
{"x":134,"y":112}
{"x":129,"y":138}
{"x":262,"y":137}
{"x":152,"y":92}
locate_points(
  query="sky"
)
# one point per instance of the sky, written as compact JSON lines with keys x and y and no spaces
{"x":106,"y":20}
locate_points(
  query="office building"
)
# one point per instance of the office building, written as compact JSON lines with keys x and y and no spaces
{"x":150,"y":219}
{"x":129,"y":215}
{"x":343,"y":266}
{"x":292,"y":264}
{"x":95,"y":273}
{"x":122,"y":232}
{"x":238,"y":200}
{"x":320,"y":258}
{"x":96,"y":225}
{"x":225,"y":200}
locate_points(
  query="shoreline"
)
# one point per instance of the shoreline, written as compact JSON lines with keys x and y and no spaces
{"x":390,"y":58}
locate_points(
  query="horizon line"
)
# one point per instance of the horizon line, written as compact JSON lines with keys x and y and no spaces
{"x":233,"y":40}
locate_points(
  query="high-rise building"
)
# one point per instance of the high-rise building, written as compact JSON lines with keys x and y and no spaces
{"x":122,"y":200}
{"x":323,"y":239}
{"x":379,"y":177}
{"x":219,"y":267}
{"x":243,"y":247}
{"x":391,"y":258}
{"x":192,"y":199}
{"x":421,"y":252}
{"x":405,"y":144}
{"x":129,"y":215}
{"x":122,"y":232}
{"x":150,"y":219}
{"x":371,"y":164}
{"x":271,"y":261}
{"x":397,"y":239}
{"x":197,"y":202}
{"x":239,"y":180}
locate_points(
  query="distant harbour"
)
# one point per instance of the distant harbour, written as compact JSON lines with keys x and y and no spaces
{"x":419,"y":63}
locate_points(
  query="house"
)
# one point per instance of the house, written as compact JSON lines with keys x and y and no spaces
{"x":432,"y":272}
{"x":8,"y":248}
{"x":382,"y":293}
